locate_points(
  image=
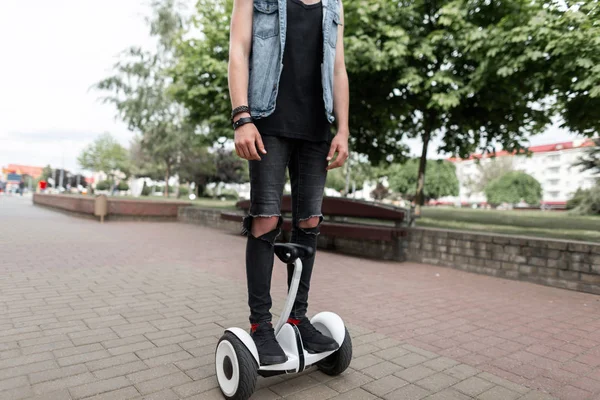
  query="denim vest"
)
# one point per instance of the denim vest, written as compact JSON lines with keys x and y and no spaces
{"x":269,"y":27}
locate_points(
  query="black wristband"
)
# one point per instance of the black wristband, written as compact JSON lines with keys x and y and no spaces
{"x":242,"y":121}
{"x":239,"y":110}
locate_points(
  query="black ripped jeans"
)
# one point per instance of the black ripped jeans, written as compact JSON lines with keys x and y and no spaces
{"x":307,"y":163}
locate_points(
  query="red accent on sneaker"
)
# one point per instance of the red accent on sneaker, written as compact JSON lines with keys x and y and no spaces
{"x":253,"y":327}
{"x":293,"y":321}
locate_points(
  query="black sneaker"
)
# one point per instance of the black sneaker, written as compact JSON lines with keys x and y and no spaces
{"x":313,"y":340}
{"x":269,"y":351}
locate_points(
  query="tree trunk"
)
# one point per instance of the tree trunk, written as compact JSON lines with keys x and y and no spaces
{"x":167,"y":176}
{"x":420,"y":195}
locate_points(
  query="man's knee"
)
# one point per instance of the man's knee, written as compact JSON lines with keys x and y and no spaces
{"x":262,"y":225}
{"x":311,"y":222}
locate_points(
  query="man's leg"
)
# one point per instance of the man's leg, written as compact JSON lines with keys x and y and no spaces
{"x":308,"y":173}
{"x":262,"y":226}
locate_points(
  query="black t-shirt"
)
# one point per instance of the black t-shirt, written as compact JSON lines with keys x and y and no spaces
{"x":300,"y":110}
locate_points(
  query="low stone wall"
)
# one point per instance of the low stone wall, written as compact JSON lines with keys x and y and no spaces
{"x":73,"y":204}
{"x":118,"y":209}
{"x":207,"y":217}
{"x":557,"y":263}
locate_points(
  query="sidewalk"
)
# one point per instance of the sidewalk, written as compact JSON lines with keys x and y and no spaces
{"x":134,"y":310}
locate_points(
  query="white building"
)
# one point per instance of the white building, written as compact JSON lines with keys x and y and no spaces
{"x":551,"y":165}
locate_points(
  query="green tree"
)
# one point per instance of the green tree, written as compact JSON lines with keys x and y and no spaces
{"x":106,"y":155}
{"x":488,"y":170}
{"x":198,"y":166}
{"x":591,"y":160}
{"x":477,"y":74}
{"x":442,"y":179}
{"x":140,"y":90}
{"x":587,"y":201}
{"x":513,"y":188}
{"x":336,"y":180}
{"x":200,"y":75}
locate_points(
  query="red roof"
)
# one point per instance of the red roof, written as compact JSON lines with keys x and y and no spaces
{"x":545,"y":148}
{"x":25,"y":169}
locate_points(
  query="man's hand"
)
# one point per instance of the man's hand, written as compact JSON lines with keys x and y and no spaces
{"x":247,"y":140}
{"x":339,"y":145}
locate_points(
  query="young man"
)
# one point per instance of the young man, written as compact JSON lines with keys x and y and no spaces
{"x":288,"y":83}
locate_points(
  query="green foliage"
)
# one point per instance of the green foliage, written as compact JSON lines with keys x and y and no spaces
{"x":489,"y":170}
{"x":588,"y":201}
{"x":123,"y":186}
{"x":147,"y":190}
{"x":441,"y":180}
{"x":513,"y":188}
{"x":477,"y":74}
{"x":106,"y":155}
{"x":591,"y":160}
{"x":46,"y":173}
{"x":577,"y":199}
{"x":228,"y":194}
{"x":555,"y":220}
{"x":140,"y":91}
{"x":184,"y":191}
{"x":200,"y":76}
{"x":103,"y":185}
{"x":336,"y":180}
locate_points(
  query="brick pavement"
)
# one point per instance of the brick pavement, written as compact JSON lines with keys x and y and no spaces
{"x":134,"y":310}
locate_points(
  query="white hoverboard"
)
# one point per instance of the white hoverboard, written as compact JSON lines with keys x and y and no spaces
{"x":236,"y":358}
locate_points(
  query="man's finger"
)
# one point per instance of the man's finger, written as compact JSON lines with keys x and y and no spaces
{"x":251,"y":149}
{"x":337,"y":163}
{"x":332,"y":150}
{"x":243,"y":152}
{"x":260,"y":144}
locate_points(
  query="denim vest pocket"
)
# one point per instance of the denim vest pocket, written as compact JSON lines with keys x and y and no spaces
{"x":265,"y":22}
{"x":333,"y":29}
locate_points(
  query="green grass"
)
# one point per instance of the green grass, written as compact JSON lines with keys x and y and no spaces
{"x":547,"y":220}
{"x":566,"y":234}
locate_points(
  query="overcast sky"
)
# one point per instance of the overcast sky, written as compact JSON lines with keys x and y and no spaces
{"x":53,"y":51}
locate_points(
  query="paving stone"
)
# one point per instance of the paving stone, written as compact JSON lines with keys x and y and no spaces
{"x":111,"y":361}
{"x":355,"y":394}
{"x":12,"y":383}
{"x":120,"y":394}
{"x":93,"y":388}
{"x":62,"y":383}
{"x":473,"y":386}
{"x":262,"y":394}
{"x":119,"y":370}
{"x":391,"y":353}
{"x":408,"y":392}
{"x":410,"y":360}
{"x":192,"y":388}
{"x":499,"y":393}
{"x":167,"y":358}
{"x":461,"y":371}
{"x":382,"y":369}
{"x":62,"y":394}
{"x":415,"y":373}
{"x":365,"y":361}
{"x":448,"y":394}
{"x":56,"y":373}
{"x":152,"y":373}
{"x":293,"y":385}
{"x":504,"y":383}
{"x":162,"y":382}
{"x":385,"y":385}
{"x":315,"y":392}
{"x":348,"y":381}
{"x":437,"y":382}
{"x":166,"y":394}
{"x":535,"y":395}
{"x":440,"y":363}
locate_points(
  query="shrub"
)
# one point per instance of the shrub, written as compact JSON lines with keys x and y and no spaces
{"x":512,"y":188}
{"x":184,"y":191}
{"x":589,"y":202}
{"x":103,"y":185}
{"x":123,"y":186}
